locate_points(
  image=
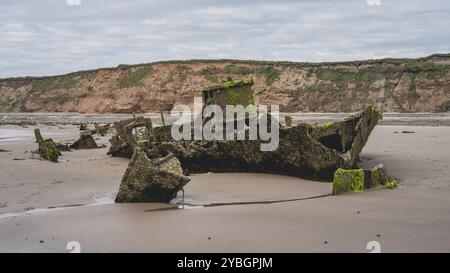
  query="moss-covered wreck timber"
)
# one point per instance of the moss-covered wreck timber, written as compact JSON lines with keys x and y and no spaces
{"x":101,"y":130}
{"x":348,"y":181}
{"x":151,"y":180}
{"x":86,"y":141}
{"x":237,"y":92}
{"x":126,"y":137}
{"x":357,"y":180}
{"x":47,"y":147}
{"x":379,"y":178}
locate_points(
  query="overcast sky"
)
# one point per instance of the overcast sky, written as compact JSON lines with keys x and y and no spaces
{"x":45,"y":37}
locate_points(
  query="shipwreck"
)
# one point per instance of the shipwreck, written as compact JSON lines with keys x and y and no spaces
{"x":305,"y":150}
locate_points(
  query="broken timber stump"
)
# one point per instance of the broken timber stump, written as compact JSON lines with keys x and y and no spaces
{"x":47,"y":147}
{"x":124,"y":141}
{"x":151,"y":180}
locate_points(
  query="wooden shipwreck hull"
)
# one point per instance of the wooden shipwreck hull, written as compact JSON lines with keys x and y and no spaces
{"x":307,"y":151}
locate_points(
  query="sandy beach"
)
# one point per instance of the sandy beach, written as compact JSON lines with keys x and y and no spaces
{"x":45,"y":205}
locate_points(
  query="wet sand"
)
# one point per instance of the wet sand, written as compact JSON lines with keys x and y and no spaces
{"x":415,"y":217}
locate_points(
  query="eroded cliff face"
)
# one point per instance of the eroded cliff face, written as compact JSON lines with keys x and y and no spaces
{"x":393,"y":85}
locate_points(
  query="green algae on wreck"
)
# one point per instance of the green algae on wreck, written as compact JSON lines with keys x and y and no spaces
{"x":390,"y":184}
{"x":356,"y":180}
{"x":229,"y":93}
{"x":348,"y":181}
{"x":378,"y":178}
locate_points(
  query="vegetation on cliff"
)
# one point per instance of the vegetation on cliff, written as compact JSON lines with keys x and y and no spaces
{"x":135,"y":78}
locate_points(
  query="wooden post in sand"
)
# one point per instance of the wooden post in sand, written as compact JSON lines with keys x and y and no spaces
{"x":162,"y":118}
{"x":150,"y":133}
{"x":38,"y":136}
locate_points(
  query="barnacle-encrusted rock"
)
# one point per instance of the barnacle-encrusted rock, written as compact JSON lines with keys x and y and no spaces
{"x":47,"y":147}
{"x":86,"y":141}
{"x":151,"y":180}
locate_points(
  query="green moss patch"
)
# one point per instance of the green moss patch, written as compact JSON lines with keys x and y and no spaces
{"x":357,"y":180}
{"x":323,"y":127}
{"x":348,"y":181}
{"x":374,"y":110}
{"x":47,"y":147}
{"x":390,"y":184}
{"x":237,"y":96}
{"x":231,"y":84}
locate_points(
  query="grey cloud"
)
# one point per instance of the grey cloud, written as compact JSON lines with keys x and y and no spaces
{"x":45,"y":37}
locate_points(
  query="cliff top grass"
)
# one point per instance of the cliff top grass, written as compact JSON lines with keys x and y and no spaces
{"x":391,"y":61}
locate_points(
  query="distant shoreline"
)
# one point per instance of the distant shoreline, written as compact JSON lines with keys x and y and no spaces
{"x":56,"y":118}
